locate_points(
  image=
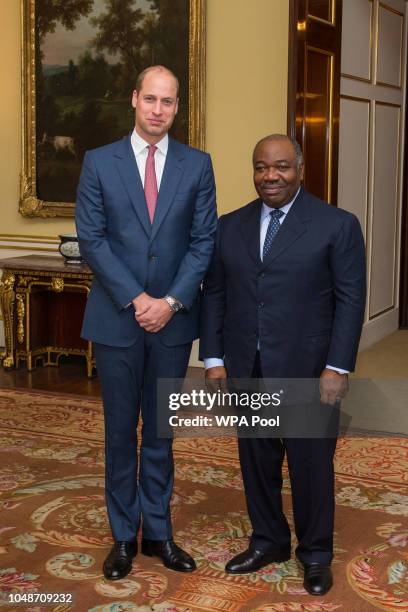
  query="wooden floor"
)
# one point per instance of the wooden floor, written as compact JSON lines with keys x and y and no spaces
{"x":69,"y":377}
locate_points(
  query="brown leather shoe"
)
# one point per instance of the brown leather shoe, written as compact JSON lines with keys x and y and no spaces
{"x":172,"y":555}
{"x":252,"y":560}
{"x":118,"y":563}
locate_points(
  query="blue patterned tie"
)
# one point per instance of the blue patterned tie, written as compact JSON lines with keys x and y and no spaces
{"x":273,"y":229}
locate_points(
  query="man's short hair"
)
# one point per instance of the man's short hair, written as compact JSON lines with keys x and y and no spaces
{"x":295,"y":144}
{"x":145,"y":72}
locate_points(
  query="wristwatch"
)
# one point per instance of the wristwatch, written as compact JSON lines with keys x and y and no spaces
{"x":175,"y":305}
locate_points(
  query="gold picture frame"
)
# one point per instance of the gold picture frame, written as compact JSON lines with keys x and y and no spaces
{"x":30,"y":204}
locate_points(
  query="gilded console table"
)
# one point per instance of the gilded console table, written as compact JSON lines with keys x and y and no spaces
{"x":42,"y":301}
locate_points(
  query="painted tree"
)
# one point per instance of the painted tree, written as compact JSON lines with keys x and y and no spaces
{"x":119,"y":34}
{"x":49,"y":13}
{"x":170,"y":47}
{"x":172,"y":36}
{"x":67,"y":12}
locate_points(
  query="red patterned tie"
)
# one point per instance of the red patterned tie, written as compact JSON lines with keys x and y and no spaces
{"x":150,"y":184}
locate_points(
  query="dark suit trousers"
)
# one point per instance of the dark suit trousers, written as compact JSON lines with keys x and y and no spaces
{"x":311,"y":472}
{"x":137,"y":491}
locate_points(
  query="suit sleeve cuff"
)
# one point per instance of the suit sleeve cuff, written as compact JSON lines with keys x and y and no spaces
{"x":338,"y":370}
{"x":213,"y":362}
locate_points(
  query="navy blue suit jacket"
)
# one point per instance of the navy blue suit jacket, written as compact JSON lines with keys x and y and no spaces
{"x":129,"y":255}
{"x":305,"y":301}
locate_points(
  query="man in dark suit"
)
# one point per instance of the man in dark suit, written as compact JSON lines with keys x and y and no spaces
{"x":284,"y":298}
{"x":146,"y":222}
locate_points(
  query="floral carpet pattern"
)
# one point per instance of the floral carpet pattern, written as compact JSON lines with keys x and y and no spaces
{"x":54,"y":532}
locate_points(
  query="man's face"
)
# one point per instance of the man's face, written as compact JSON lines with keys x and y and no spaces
{"x":276,"y":173}
{"x":156,"y":105}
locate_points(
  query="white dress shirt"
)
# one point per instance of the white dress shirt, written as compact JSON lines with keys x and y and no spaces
{"x":140,"y":149}
{"x":212,"y":362}
{"x":265,"y":218}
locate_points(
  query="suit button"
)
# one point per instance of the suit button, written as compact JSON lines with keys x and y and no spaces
{"x":152,"y":257}
{"x":261,"y":304}
{"x":262,"y":275}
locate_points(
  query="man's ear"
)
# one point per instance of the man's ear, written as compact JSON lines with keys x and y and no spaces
{"x":177,"y":105}
{"x":134,"y":98}
{"x":302,"y":171}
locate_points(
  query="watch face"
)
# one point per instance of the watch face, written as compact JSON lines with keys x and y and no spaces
{"x":174,"y":305}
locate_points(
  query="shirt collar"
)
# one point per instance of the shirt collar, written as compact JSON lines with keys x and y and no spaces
{"x":139,"y":144}
{"x":285,"y":209}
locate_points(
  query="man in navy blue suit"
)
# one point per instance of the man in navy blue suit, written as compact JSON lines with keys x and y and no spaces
{"x":284,"y":298}
{"x":146,"y":223}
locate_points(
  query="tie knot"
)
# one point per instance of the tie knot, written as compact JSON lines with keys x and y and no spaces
{"x":151,"y":150}
{"x":276,"y":213}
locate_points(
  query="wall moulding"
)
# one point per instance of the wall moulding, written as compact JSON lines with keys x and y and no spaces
{"x":378,"y":227}
{"x":12,"y":245}
{"x":383,"y":11}
{"x":351,"y":27}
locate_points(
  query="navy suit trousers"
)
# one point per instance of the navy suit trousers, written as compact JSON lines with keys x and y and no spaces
{"x":137,"y":491}
{"x":311,"y":472}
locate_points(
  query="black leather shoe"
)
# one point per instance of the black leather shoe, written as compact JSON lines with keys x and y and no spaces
{"x":118,"y":563}
{"x":318,"y":579}
{"x":172,"y":555}
{"x":252,"y":560}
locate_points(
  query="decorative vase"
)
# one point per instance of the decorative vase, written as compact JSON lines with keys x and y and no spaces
{"x":69,"y":248}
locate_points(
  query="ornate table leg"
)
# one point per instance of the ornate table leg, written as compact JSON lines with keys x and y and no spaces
{"x":90,"y":361}
{"x":6,"y":304}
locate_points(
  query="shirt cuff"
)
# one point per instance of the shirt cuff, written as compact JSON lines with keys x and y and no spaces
{"x":338,"y":370}
{"x":213,"y":362}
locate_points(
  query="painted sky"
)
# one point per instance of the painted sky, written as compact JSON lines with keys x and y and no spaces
{"x":62,"y":45}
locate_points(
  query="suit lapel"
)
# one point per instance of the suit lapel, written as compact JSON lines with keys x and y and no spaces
{"x":127,"y":167}
{"x":172,"y":173}
{"x":292,"y":228}
{"x":250,"y":229}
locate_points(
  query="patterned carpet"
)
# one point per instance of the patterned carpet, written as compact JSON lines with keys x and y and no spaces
{"x":54,"y":533}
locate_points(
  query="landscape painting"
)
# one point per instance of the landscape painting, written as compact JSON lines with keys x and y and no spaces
{"x":87,"y":55}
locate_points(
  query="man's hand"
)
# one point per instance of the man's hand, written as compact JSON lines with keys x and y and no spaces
{"x":151,"y":313}
{"x":142,"y":303}
{"x":333,"y":386}
{"x":216,"y":378}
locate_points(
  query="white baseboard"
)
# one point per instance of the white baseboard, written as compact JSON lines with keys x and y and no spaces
{"x":379,"y":328}
{"x":194,"y":360}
